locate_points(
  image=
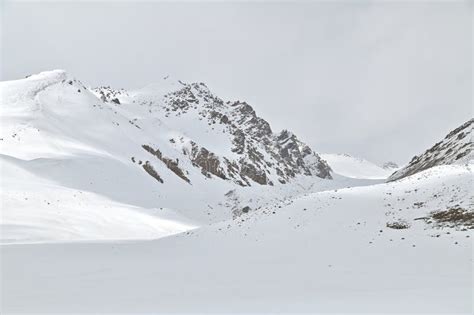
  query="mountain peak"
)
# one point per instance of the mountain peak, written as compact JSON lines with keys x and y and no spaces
{"x":256,"y":153}
{"x":225,"y":140}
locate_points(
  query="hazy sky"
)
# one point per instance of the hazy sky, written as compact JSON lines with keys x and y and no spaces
{"x":380,"y":80}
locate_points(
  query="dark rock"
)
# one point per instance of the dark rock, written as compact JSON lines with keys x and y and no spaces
{"x":170,"y":163}
{"x":151,"y":171}
{"x":452,"y":149}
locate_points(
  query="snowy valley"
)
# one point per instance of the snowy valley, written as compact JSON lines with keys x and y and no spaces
{"x":171,"y":199}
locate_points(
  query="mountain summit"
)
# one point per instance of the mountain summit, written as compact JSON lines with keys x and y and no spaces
{"x":227,"y":140}
{"x":171,"y":145}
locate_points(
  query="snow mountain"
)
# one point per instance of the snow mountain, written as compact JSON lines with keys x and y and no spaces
{"x":455,"y":148}
{"x":355,"y":167}
{"x":214,"y":199}
{"x":247,"y":151}
{"x":162,"y":159}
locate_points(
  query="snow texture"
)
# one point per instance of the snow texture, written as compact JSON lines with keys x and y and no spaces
{"x":149,"y":201}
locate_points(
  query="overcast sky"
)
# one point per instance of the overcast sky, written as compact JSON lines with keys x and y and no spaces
{"x":379,"y":80}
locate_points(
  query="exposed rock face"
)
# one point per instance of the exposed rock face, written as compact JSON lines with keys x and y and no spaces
{"x":298,"y":156}
{"x":152,"y":172}
{"x":107,"y":94}
{"x":249,"y":152}
{"x":456,"y":147}
{"x":251,"y":171}
{"x":259,"y":155}
{"x":207,"y":161}
{"x":170,"y":163}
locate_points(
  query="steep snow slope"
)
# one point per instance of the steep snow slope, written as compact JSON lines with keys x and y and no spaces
{"x":456,"y":147}
{"x":225,"y":139}
{"x":66,"y":172}
{"x":349,"y":166}
{"x":323,"y":252}
{"x":171,"y":145}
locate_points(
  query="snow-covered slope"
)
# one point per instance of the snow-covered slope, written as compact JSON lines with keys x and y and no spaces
{"x":353,"y":167}
{"x":66,"y":170}
{"x":37,"y":209}
{"x":225,"y":139}
{"x":324,"y":252}
{"x":254,"y":220}
{"x":455,"y":148}
{"x":170,"y":145}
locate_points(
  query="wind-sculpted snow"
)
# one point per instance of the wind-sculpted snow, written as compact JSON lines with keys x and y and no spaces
{"x":456,"y":147}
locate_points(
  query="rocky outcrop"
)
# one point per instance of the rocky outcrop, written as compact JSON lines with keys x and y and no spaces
{"x":251,"y":171}
{"x":110,"y":95}
{"x":261,"y":154}
{"x":456,"y":147}
{"x":254,"y":154}
{"x":152,"y":172}
{"x":171,"y":164}
{"x":207,"y":161}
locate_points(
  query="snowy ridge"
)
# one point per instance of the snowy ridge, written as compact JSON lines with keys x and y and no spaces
{"x":456,"y":147}
{"x":230,"y":141}
{"x":137,"y":154}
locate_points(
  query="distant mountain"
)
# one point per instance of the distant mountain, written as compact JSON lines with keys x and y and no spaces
{"x":390,"y":165}
{"x":355,"y":167}
{"x":455,"y":148}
